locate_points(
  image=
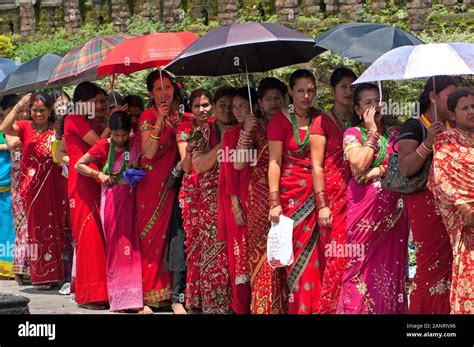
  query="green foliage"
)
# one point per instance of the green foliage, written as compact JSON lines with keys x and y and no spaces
{"x":140,"y":26}
{"x":6,"y":46}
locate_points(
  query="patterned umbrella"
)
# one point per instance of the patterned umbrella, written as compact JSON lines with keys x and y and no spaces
{"x":81,"y":63}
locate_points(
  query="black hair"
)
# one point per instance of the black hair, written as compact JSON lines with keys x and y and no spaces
{"x":270,"y":83}
{"x":224,"y":91}
{"x":155,"y":75}
{"x":197,"y":93}
{"x":47,"y":100}
{"x":454,"y":98}
{"x":10,"y":100}
{"x":134,"y":101}
{"x":339,"y":74}
{"x":60,"y":94}
{"x":362,"y":87}
{"x":120,"y":120}
{"x":442,"y":82}
{"x":301,"y":73}
{"x":86,"y":91}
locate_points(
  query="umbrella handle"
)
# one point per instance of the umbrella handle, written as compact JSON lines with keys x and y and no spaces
{"x":248,"y":83}
{"x":434,"y":93}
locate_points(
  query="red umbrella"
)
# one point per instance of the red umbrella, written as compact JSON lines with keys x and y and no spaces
{"x":145,"y":52}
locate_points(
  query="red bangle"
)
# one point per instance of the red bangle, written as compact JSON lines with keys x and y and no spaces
{"x":321,"y":201}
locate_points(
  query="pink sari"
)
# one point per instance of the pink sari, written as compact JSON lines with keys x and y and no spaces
{"x":117,"y":212}
{"x":376,"y":241}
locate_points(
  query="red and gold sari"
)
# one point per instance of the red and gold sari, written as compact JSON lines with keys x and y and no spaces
{"x":269,"y":294}
{"x":45,"y":194}
{"x":452,"y":182}
{"x":154,"y":206}
{"x":297,"y":201}
{"x":208,"y":286}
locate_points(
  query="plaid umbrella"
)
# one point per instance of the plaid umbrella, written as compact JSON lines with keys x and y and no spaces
{"x":81,"y":63}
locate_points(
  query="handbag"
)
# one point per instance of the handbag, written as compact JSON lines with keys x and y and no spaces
{"x":399,"y":183}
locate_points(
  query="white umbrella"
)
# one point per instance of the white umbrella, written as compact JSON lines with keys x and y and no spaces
{"x":433,"y":59}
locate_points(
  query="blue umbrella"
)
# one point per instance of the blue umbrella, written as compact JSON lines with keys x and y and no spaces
{"x":30,"y":76}
{"x":364,"y":42}
{"x":7,"y":66}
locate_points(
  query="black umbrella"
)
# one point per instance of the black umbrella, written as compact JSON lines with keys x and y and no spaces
{"x":239,"y":48}
{"x":263,"y":46}
{"x":364,"y":42}
{"x":30,"y":76}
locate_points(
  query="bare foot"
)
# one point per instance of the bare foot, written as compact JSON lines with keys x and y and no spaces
{"x":19,"y":279}
{"x":178,"y":308}
{"x":146,"y":310}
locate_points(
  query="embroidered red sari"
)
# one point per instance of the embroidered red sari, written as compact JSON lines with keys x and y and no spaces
{"x":269,"y":294}
{"x":44,"y":191}
{"x":154,"y":206}
{"x":233,"y":182}
{"x":84,"y":202}
{"x":297,"y":201}
{"x":452,"y":182}
{"x":207,"y":282}
{"x":336,"y":177}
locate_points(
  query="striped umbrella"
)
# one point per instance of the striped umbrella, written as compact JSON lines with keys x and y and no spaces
{"x":81,"y":63}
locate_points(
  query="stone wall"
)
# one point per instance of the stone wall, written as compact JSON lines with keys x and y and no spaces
{"x":26,"y":18}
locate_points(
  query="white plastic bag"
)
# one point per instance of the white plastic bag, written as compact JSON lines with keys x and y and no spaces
{"x":280,"y":243}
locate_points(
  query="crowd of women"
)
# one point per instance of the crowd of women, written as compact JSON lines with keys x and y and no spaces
{"x":171,"y":205}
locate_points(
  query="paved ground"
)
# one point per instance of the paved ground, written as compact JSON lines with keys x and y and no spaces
{"x":46,"y":302}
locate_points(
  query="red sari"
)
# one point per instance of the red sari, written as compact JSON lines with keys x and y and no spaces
{"x":269,"y":294}
{"x":429,"y":292}
{"x":43,"y":189}
{"x":336,"y":177}
{"x":207,"y":282}
{"x":297,"y":201}
{"x":233,"y":182}
{"x":154,"y":205}
{"x":451,"y":181}
{"x":84,"y":204}
{"x":189,"y":192}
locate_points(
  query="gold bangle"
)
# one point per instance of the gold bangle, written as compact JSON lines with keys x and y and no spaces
{"x":236,"y":209}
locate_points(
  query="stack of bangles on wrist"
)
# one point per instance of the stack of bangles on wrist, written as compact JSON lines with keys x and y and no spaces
{"x":274,"y":199}
{"x":17,"y":109}
{"x":236,"y":209}
{"x":175,"y":173}
{"x":423,"y":151}
{"x":383,"y":170}
{"x":245,"y":139}
{"x":321,"y":201}
{"x":95,"y":174}
{"x":372,"y":140}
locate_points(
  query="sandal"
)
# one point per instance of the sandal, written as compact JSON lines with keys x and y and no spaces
{"x":95,"y":306}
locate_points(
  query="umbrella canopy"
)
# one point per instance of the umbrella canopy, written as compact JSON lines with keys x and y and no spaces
{"x":145,"y":52}
{"x":30,"y":76}
{"x":364,"y":42}
{"x":248,"y":47}
{"x":420,"y":61}
{"x":81,"y":63}
{"x":7,"y":66}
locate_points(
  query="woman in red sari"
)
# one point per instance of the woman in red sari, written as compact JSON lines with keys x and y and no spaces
{"x":291,"y":190}
{"x":43,"y":188}
{"x":429,"y":292}
{"x":81,"y":131}
{"x":268,"y":285}
{"x":233,"y":189}
{"x":208,"y":287}
{"x":160,"y":154}
{"x":115,"y":156}
{"x":451,"y":181}
{"x":330,"y":177}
